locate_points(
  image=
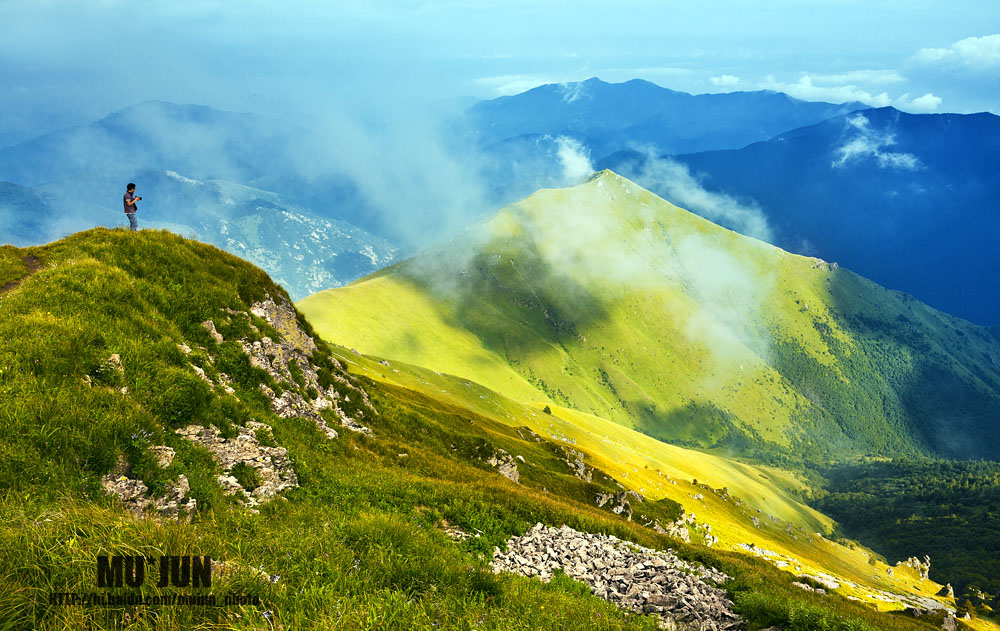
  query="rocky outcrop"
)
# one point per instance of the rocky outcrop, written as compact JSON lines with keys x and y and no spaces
{"x":574,"y":459}
{"x":633,"y":577}
{"x":283,"y":318}
{"x":922,"y":567}
{"x":270,"y":465}
{"x":619,"y":503}
{"x":175,"y":502}
{"x":134,"y":495}
{"x":288,"y":361}
{"x":677,"y":529}
{"x":503,"y":462}
{"x":163,"y":455}
{"x":209,"y":326}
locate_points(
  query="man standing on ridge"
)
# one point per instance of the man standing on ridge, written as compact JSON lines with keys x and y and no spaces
{"x":130,"y":206}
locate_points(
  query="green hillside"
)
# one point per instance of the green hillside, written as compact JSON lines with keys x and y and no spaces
{"x":161,"y":397}
{"x":608,"y":300}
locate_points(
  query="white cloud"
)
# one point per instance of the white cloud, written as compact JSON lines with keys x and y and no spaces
{"x":866,"y":142}
{"x":933,"y":55}
{"x":575,"y":160}
{"x":925,"y":103}
{"x":901,"y":161}
{"x":508,"y":85}
{"x":978,"y":53}
{"x":725,"y":80}
{"x":573,"y":91}
{"x":807,"y":90}
{"x":675,"y":182}
{"x":871,"y":77}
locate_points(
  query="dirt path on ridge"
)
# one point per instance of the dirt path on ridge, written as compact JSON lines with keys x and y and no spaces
{"x":32,"y":263}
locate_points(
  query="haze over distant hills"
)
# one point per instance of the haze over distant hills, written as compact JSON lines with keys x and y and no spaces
{"x":239,"y":181}
{"x":547,"y":136}
{"x":910,"y":201}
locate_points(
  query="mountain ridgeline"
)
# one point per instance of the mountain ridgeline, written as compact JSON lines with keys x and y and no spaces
{"x":539,"y":138}
{"x":607,"y":299}
{"x":608,"y":117}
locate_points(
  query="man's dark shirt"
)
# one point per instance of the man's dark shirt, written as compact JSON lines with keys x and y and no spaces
{"x":126,"y":199}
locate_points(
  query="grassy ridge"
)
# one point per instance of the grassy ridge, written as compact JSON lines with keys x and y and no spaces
{"x":611,"y":301}
{"x":723,"y":493}
{"x":359,"y":544}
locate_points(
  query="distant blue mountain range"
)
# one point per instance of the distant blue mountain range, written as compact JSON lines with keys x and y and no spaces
{"x":911,"y":201}
{"x":609,"y":117}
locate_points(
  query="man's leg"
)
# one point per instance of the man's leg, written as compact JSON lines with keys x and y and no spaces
{"x":132,"y":222}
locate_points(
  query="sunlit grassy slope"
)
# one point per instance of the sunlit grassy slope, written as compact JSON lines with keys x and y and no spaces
{"x":725,"y":494}
{"x":360,"y":542}
{"x":608,"y":300}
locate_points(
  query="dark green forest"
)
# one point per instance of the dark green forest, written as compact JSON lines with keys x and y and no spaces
{"x":949,"y":510}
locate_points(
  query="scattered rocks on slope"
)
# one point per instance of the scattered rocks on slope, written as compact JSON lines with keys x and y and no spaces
{"x":619,"y":502}
{"x":922,"y":567}
{"x":778,"y":560}
{"x":679,"y":528}
{"x":135,"y":496}
{"x":163,"y":455}
{"x":271,"y":464}
{"x":533,"y":435}
{"x":809,"y":588}
{"x":288,"y":362}
{"x":296,"y":348}
{"x":631,"y":576}
{"x":503,"y":462}
{"x":291,"y":404}
{"x":574,"y":459}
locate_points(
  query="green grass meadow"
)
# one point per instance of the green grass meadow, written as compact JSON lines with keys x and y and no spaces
{"x":359,"y":544}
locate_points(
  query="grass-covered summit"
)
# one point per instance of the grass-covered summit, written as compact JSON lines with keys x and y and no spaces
{"x":168,"y":371}
{"x":609,"y":300}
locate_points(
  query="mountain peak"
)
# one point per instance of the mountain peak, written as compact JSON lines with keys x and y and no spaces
{"x":611,"y":300}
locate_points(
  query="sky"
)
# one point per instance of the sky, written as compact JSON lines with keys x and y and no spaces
{"x":65,"y":62}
